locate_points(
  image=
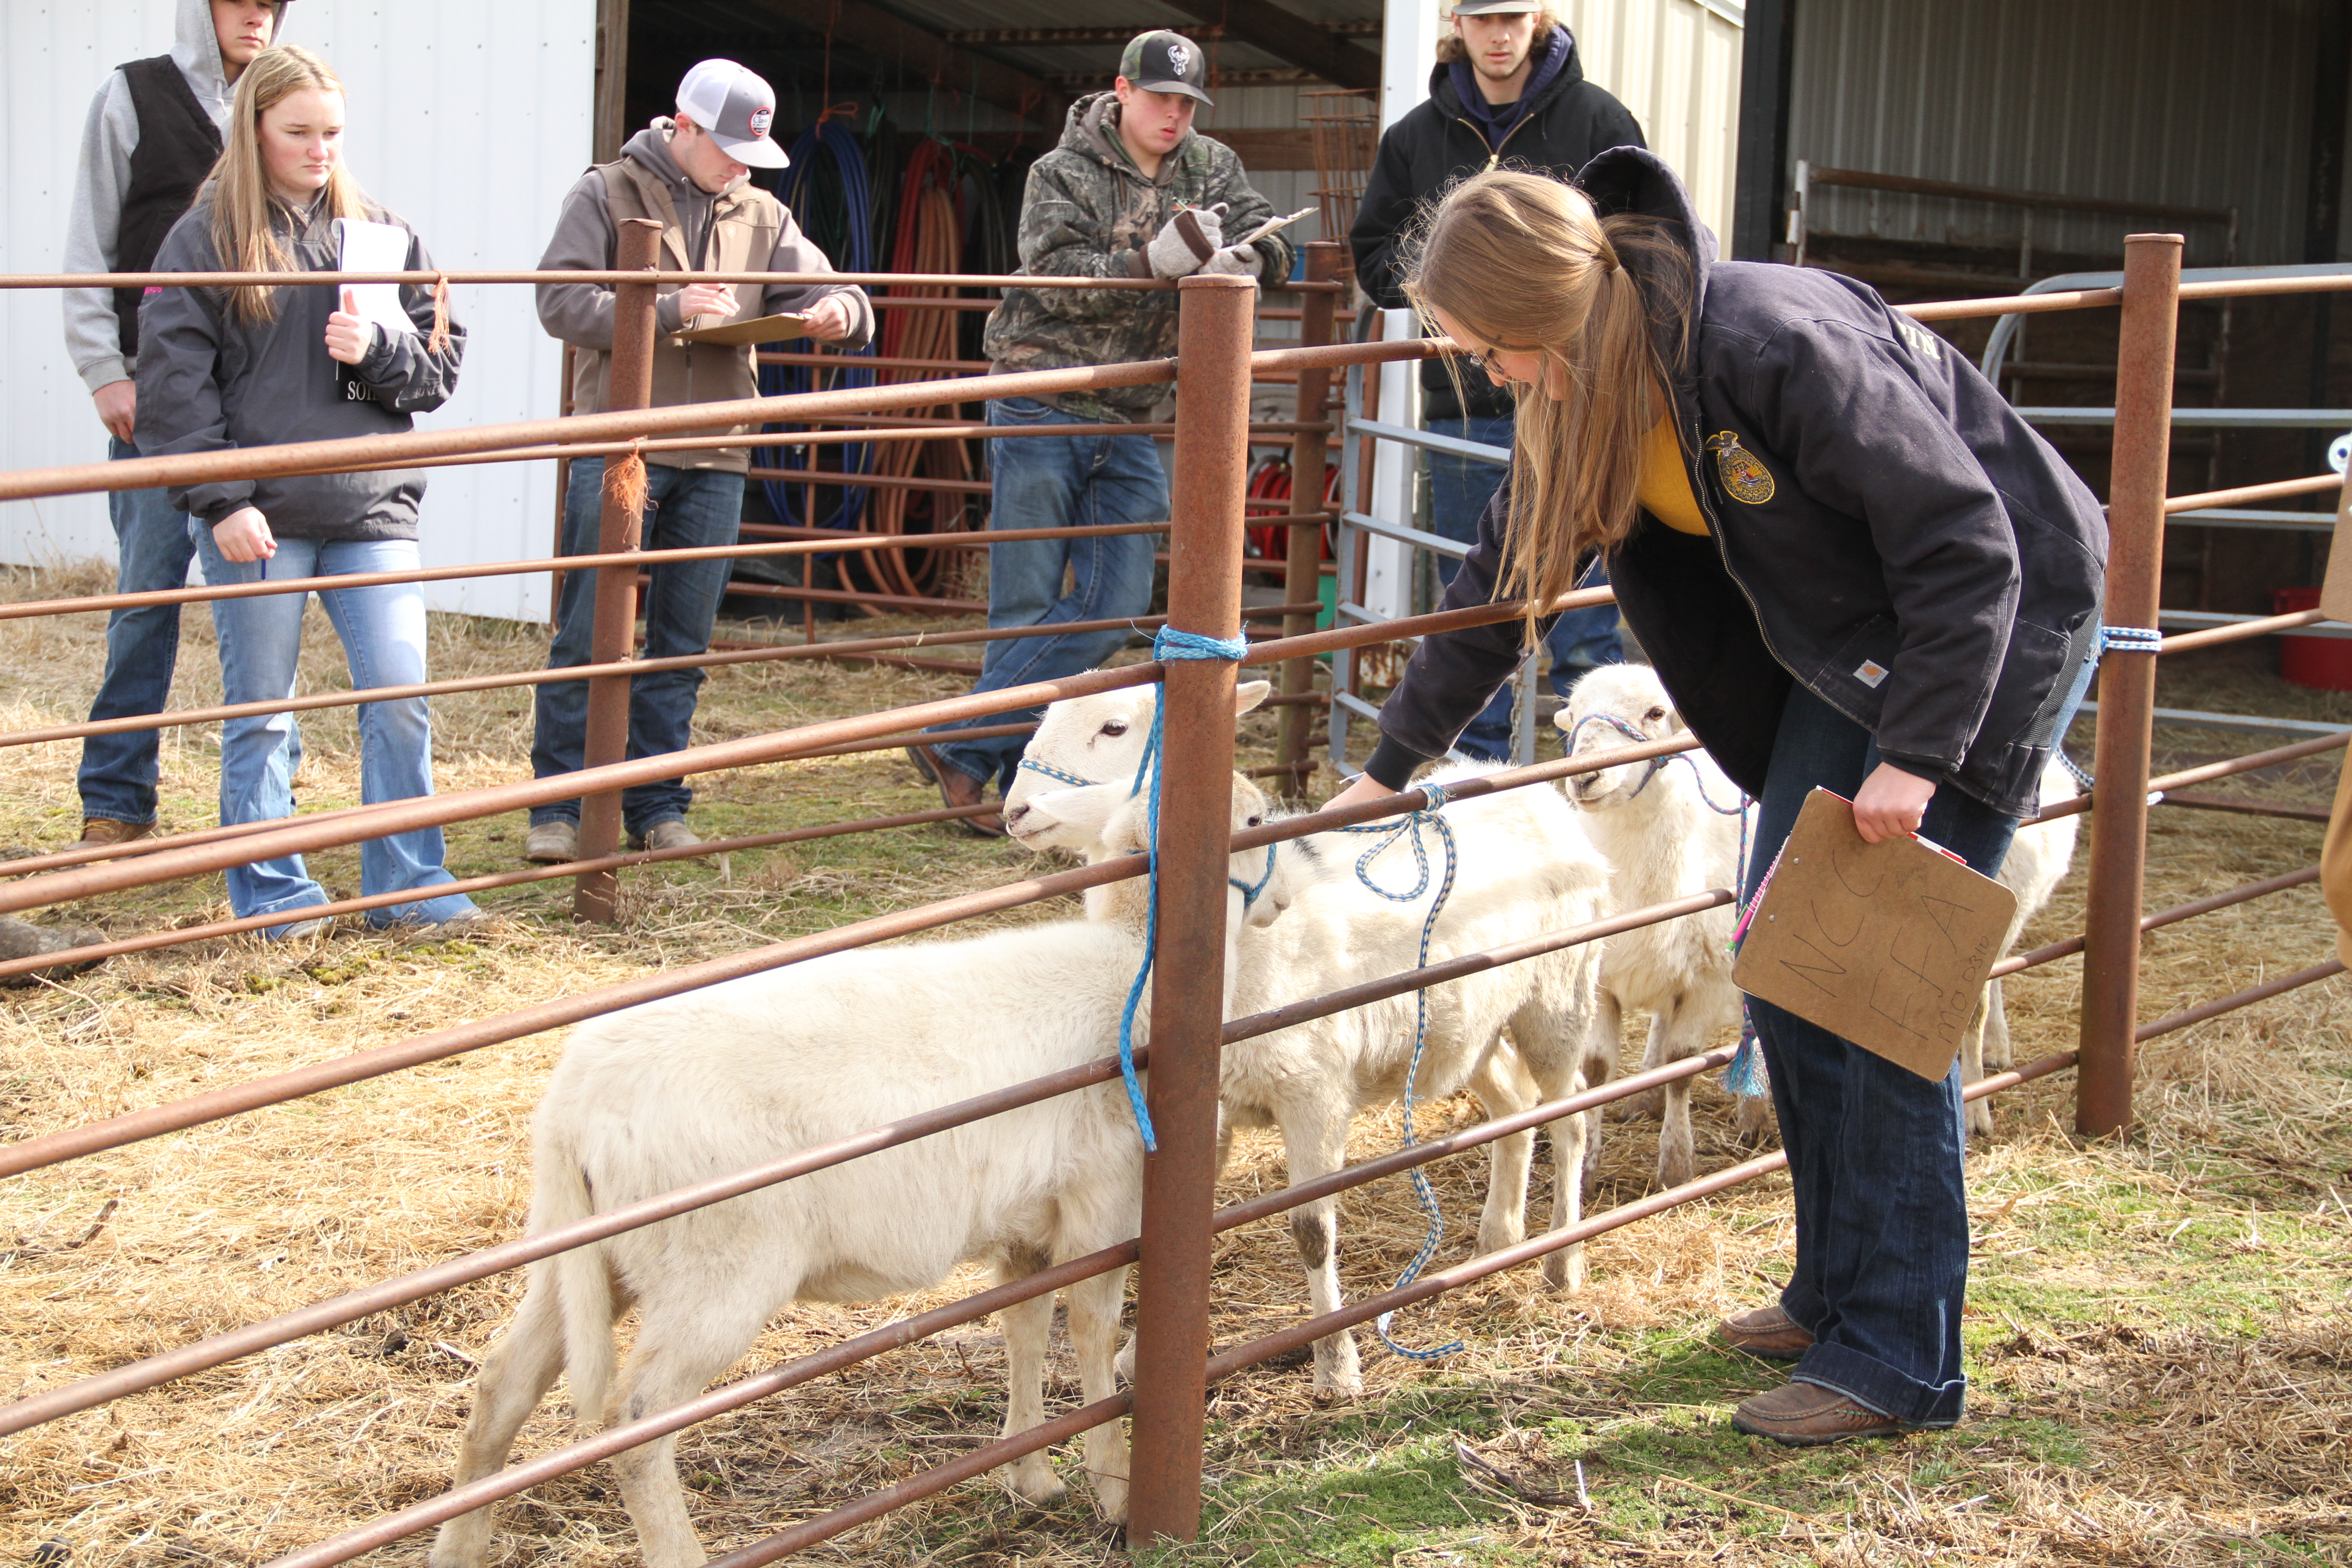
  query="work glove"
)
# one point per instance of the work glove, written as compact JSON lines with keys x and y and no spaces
{"x":1241,"y":259}
{"x":1186,"y":240}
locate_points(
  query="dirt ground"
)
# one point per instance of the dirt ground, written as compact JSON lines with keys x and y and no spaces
{"x":2160,"y":1350}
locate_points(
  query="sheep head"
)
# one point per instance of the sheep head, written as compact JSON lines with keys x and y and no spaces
{"x":1098,"y":738}
{"x":1616,"y":705}
{"x":1259,"y":886}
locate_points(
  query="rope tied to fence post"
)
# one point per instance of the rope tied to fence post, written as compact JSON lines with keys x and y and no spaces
{"x":438,"y":343}
{"x":2117,"y":639}
{"x":624,"y":482}
{"x":1167,"y":645}
{"x":1409,"y":828}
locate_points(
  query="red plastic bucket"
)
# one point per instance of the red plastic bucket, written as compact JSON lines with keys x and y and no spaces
{"x":2322,"y":662}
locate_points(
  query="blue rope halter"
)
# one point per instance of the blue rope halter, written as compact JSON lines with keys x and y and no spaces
{"x":1412,"y":824}
{"x":1167,"y":645}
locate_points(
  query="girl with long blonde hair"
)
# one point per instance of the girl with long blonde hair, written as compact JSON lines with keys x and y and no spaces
{"x":1854,"y":568}
{"x":261,"y":365}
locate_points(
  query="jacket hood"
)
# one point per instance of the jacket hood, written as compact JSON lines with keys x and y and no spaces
{"x":195,"y":49}
{"x":1636,"y":180}
{"x":1092,"y":128}
{"x":651,"y":147}
{"x":1442,"y":91}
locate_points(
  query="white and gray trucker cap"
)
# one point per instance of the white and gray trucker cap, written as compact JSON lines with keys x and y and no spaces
{"x":736,"y":107}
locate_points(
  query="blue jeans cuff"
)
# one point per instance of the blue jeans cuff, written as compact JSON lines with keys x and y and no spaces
{"x":1875,"y":1386}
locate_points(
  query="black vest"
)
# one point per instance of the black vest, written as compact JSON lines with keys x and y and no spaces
{"x":178,"y":144}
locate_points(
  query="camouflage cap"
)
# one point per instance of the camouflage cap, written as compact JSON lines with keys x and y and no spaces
{"x":1162,"y":61}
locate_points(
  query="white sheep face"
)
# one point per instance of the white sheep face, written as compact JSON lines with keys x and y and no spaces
{"x":1616,"y":705}
{"x":1099,"y":739}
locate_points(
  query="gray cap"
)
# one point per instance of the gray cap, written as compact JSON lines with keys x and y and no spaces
{"x":1162,"y":61}
{"x":736,"y":107}
{"x":1495,"y":7}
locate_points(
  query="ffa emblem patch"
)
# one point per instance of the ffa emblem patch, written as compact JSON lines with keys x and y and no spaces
{"x":1180,"y":58}
{"x":1743,"y":477}
{"x":761,"y":120}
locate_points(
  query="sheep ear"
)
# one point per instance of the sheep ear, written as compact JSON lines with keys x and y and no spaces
{"x":1249,"y":694}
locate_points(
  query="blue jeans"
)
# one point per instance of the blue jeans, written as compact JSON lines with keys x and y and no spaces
{"x":383,"y":629}
{"x":152,"y":550}
{"x":1875,"y":1150}
{"x":686,"y":509}
{"x":1058,"y":481}
{"x":1459,"y":489}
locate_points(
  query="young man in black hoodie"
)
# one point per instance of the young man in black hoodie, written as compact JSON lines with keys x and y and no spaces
{"x":1508,"y":87}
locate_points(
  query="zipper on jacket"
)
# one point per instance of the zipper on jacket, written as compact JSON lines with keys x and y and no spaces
{"x":1714,"y":529}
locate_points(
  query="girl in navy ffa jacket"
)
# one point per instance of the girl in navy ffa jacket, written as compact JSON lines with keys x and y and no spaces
{"x":1854,"y":566}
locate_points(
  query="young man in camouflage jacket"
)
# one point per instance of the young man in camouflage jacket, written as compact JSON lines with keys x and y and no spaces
{"x":1132,"y":191}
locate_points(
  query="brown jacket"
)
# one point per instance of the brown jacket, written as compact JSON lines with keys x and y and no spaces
{"x":742,"y":229}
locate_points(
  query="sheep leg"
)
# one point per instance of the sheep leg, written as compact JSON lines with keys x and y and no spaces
{"x":1504,"y":1086}
{"x":1315,"y":1143}
{"x":1026,"y":1326}
{"x":2000,"y":1055}
{"x":1094,"y":1329}
{"x":520,"y":1370}
{"x":1650,"y":1103}
{"x":1977,"y":1114}
{"x":1670,"y":1042}
{"x":682,"y":1344}
{"x":1600,"y":1044}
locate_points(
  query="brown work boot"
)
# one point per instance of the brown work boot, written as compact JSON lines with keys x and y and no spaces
{"x":101,"y":831}
{"x":19,"y":939}
{"x":958,"y":788}
{"x":1766,"y":1331}
{"x":1805,"y":1416}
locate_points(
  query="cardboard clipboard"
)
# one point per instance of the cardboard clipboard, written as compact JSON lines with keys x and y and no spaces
{"x":743,"y":334}
{"x":2336,"y":593}
{"x":1888,"y":944}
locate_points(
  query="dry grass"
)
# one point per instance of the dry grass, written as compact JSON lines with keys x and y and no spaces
{"x":2159,"y":1334}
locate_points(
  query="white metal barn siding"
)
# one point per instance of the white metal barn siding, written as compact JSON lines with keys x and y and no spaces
{"x":2165,"y":101}
{"x":469,"y":120}
{"x":1675,"y":64}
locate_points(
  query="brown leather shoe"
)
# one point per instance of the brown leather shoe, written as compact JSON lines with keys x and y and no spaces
{"x":1766,"y":1331}
{"x":958,"y":788}
{"x":102,"y":830}
{"x":1804,"y":1415}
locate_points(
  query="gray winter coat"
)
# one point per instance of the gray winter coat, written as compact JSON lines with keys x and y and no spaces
{"x":210,"y":382}
{"x":109,"y":134}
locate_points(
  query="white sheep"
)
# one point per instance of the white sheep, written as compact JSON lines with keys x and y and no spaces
{"x":1102,"y":739}
{"x":751,"y":1070}
{"x":1670,"y":827}
{"x":1310,"y":1078}
{"x":2038,"y":861}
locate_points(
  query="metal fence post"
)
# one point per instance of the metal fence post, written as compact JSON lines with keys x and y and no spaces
{"x":2136,"y":487}
{"x":1303,"y":582}
{"x":596,"y":896}
{"x":1171,"y":1318}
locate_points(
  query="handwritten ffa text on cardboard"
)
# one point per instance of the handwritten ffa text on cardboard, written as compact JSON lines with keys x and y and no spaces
{"x":1888,"y":944}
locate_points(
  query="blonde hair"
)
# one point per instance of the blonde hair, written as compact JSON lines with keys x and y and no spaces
{"x":1595,"y":330}
{"x":243,"y":237}
{"x":1450,"y":46}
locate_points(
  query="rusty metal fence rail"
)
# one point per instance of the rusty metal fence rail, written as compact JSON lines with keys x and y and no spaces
{"x":1213,"y":368}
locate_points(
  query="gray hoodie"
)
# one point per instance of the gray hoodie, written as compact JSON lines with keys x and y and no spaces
{"x":102,"y":177}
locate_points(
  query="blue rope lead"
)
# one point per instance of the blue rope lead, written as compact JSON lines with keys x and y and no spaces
{"x":2122,"y":639}
{"x":1428,"y":817}
{"x":1169,"y":644}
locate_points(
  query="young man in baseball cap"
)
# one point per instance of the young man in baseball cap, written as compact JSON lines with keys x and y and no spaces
{"x":1132,"y":191}
{"x":1508,"y":87}
{"x":691,"y":174}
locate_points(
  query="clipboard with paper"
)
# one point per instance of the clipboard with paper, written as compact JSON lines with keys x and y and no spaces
{"x":366,"y":247}
{"x":1888,"y":944}
{"x":740,"y":334}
